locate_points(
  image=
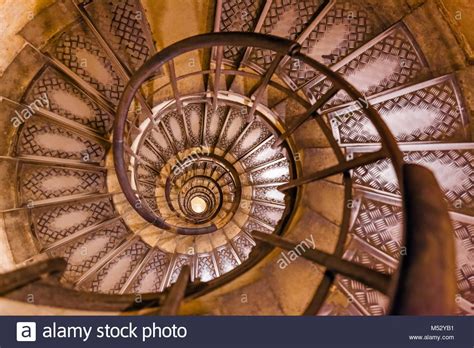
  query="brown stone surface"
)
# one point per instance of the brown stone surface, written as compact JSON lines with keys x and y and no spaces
{"x":316,"y":159}
{"x":435,"y":38}
{"x":7,"y":130}
{"x":186,"y":18}
{"x":310,"y":135}
{"x":326,"y":198}
{"x":308,"y":223}
{"x":13,"y":16}
{"x":7,"y":185}
{"x":392,"y":11}
{"x":460,"y":13}
{"x":274,"y":293}
{"x":17,"y":77}
{"x":19,"y":235}
{"x":255,"y":299}
{"x":295,"y":285}
{"x":49,"y":22}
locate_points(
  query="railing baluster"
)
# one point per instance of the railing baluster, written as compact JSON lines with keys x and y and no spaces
{"x":373,"y":279}
{"x":310,"y":113}
{"x":129,"y":151}
{"x":155,"y":150}
{"x":177,"y":97}
{"x":142,"y":162}
{"x":224,"y":126}
{"x":339,"y":168}
{"x":175,"y":297}
{"x":252,"y":150}
{"x":127,"y":242}
{"x":86,"y":230}
{"x":138,"y":268}
{"x":217,"y":76}
{"x":262,"y":84}
{"x":239,"y":138}
{"x":169,"y":139}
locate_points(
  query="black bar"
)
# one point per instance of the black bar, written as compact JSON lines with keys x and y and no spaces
{"x":325,"y":332}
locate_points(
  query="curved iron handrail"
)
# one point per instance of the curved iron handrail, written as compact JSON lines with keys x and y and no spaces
{"x":279,"y":45}
{"x":282,"y":47}
{"x":428,"y":274}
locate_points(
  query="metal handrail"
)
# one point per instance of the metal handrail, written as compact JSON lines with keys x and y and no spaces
{"x":281,"y":47}
{"x":427,"y":283}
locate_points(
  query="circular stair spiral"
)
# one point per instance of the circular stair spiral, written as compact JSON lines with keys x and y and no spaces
{"x":293,"y":118}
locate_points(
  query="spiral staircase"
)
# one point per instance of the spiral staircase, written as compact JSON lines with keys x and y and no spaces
{"x":144,"y":168}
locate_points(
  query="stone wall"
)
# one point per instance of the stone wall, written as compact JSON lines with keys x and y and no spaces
{"x":13,"y":16}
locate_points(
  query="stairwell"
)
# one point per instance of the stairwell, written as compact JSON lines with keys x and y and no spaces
{"x":60,"y":194}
